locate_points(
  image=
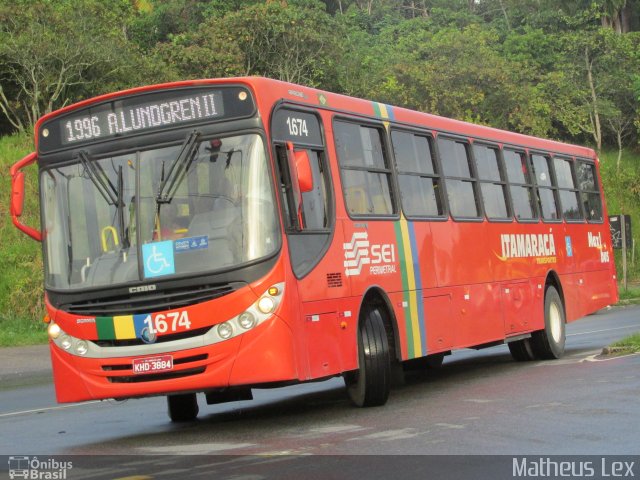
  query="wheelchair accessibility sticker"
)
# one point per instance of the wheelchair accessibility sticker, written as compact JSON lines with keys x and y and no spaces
{"x":158,"y":259}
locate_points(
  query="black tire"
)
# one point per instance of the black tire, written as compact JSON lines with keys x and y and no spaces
{"x":521,"y":350}
{"x":548,"y":344}
{"x":369,"y":385}
{"x":183,"y":407}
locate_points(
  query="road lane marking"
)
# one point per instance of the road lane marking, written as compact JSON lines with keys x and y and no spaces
{"x":391,"y":435}
{"x":600,"y":331}
{"x":197,"y":449}
{"x":336,"y":429}
{"x":47,"y":409}
{"x":136,"y":477}
{"x":451,"y":426}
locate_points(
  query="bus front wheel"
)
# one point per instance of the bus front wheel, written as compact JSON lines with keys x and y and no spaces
{"x":369,"y":385}
{"x":549,"y":343}
{"x":183,"y":407}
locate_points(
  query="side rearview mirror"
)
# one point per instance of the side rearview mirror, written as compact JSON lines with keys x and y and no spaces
{"x":303,"y":166}
{"x":17,"y":196}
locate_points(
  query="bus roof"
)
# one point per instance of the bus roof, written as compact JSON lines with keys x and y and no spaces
{"x":273,"y":90}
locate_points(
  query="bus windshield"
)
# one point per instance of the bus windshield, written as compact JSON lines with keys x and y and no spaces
{"x":114,"y":220}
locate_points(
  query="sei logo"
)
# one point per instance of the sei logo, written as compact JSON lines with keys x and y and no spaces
{"x":380,"y":257}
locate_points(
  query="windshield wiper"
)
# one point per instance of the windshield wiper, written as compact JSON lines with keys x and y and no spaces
{"x":120,"y":209}
{"x":113,"y":194}
{"x":99,"y":178}
{"x":169,"y":184}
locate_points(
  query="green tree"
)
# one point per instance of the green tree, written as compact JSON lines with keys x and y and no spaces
{"x":53,"y":53}
{"x":296,"y":42}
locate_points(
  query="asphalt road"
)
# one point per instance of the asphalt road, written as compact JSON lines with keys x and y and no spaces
{"x":478,"y":403}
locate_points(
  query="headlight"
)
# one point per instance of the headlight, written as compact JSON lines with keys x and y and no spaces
{"x":260,"y":311}
{"x":81,"y":347}
{"x":65,"y":341}
{"x":54,"y":330}
{"x":225,"y":330}
{"x":247,"y":320}
{"x":266,"y":305}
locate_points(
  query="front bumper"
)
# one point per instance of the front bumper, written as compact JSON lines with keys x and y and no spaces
{"x":262,"y":355}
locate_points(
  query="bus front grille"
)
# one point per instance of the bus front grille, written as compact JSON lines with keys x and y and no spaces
{"x":152,"y":377}
{"x":150,"y":302}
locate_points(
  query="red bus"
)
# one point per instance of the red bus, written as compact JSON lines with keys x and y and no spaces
{"x":221,"y":235}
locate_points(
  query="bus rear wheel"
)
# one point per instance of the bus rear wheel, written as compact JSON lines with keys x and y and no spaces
{"x":369,"y":385}
{"x":183,"y":407}
{"x":521,"y":350}
{"x":548,"y":343}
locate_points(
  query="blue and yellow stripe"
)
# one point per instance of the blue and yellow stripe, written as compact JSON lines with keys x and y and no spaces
{"x":412,"y":288}
{"x":122,"y":327}
{"x":383,"y":111}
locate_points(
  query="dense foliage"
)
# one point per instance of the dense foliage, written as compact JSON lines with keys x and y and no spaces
{"x":562,"y":69}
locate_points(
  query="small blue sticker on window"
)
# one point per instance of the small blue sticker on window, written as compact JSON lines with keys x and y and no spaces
{"x":191,"y":243}
{"x":567,"y":241}
{"x":158,"y":259}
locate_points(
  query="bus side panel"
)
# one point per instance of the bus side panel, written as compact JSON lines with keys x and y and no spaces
{"x":322,"y":330}
{"x":462,"y":253}
{"x":598,"y":291}
{"x":440,"y":322}
{"x":479,"y":314}
{"x":572,"y":288}
{"x":517,"y":300}
{"x":591,"y":245}
{"x":537,"y":304}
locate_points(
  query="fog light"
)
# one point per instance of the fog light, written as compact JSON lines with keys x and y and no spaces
{"x":247,"y":320}
{"x":81,"y":347}
{"x":266,"y":305}
{"x":224,"y":330}
{"x":54,"y":330}
{"x":65,"y":341}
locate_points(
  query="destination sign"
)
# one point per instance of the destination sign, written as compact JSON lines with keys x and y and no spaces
{"x":143,"y":113}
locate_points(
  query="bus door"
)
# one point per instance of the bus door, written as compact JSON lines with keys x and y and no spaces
{"x":307,"y":203}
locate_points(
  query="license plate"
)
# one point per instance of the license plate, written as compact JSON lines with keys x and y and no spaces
{"x":162,"y":363}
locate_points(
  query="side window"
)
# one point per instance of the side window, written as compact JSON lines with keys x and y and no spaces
{"x":315,"y":203}
{"x":567,"y":189}
{"x":492,"y":182}
{"x":546,"y":188}
{"x":366,"y":175}
{"x":461,"y":189}
{"x":419,"y":183}
{"x":520,"y":185}
{"x":589,"y":192}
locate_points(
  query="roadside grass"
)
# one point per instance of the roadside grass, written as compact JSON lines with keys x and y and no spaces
{"x":21,"y":295}
{"x":630,"y":344}
{"x":15,"y":331}
{"x":629,"y":297}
